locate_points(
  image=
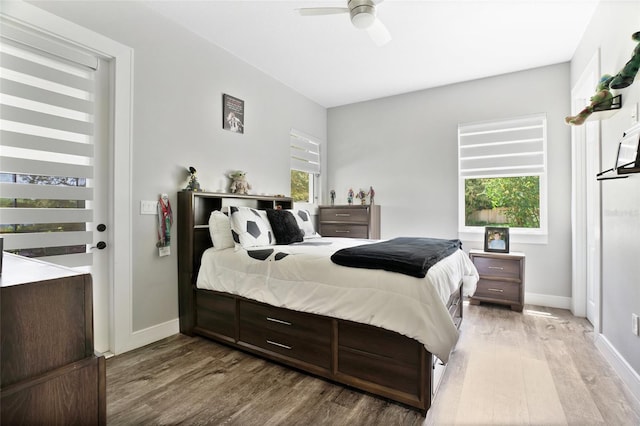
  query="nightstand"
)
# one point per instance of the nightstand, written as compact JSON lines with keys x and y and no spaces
{"x":350,"y":221}
{"x":501,"y":278}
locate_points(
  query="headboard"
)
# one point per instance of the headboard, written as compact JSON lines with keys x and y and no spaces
{"x":194,"y":209}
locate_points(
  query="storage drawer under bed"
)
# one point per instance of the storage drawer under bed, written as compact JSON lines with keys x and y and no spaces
{"x":293,"y":334}
{"x":216,"y":313}
{"x":363,"y":352}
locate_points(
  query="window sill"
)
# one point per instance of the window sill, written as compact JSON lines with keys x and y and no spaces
{"x":515,"y":236}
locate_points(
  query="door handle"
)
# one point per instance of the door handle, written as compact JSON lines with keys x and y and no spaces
{"x":100,"y":246}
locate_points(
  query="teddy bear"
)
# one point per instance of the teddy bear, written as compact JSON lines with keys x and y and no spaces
{"x":628,"y":73}
{"x":601,"y":97}
{"x":239,"y":184}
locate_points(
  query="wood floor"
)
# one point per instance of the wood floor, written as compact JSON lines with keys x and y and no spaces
{"x":538,"y":367}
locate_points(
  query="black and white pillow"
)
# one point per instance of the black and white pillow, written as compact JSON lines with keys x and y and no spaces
{"x":285,"y":227}
{"x":248,"y":228}
{"x":305,"y":222}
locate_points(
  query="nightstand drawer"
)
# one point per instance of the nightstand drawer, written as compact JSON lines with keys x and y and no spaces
{"x":347,"y":231}
{"x":502,"y":290}
{"x":503,"y":268}
{"x":351,"y":215}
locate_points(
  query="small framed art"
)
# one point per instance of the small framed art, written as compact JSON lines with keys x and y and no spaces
{"x":496,"y":239}
{"x":232,"y":114}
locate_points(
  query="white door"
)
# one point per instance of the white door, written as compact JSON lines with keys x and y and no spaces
{"x":593,"y":166}
{"x":54,"y":159}
{"x":586,"y":201}
{"x":101,"y":225}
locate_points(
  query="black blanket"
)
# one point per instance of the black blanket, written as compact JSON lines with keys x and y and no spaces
{"x":410,"y":256}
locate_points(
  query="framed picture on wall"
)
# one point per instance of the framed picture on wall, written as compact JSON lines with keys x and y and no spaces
{"x":496,"y":239}
{"x":232,"y":114}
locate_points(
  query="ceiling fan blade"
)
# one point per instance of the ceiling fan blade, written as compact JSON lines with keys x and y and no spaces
{"x":379,"y":33}
{"x":317,"y":11}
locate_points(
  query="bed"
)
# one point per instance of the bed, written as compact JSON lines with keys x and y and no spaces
{"x":382,"y":332}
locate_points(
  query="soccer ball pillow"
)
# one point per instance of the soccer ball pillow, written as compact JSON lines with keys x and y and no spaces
{"x":249,"y":228}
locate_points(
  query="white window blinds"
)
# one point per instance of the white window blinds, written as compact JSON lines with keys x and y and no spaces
{"x":513,"y":147}
{"x":46,"y":147}
{"x":305,"y":153}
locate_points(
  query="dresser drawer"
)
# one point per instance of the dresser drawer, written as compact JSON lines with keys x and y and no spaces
{"x":352,"y":215}
{"x":289,"y":333}
{"x":492,"y":267}
{"x":501,"y":290}
{"x":345,"y":231}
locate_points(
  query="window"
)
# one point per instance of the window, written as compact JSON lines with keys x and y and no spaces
{"x":502,"y":175}
{"x":305,"y":167}
{"x":46,"y":168}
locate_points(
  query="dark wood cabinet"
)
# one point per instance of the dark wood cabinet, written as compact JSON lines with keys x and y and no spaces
{"x":48,"y":370}
{"x":350,"y":221}
{"x":501,"y":278}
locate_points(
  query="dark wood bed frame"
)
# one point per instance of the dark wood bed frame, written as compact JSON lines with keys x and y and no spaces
{"x":365,"y":357}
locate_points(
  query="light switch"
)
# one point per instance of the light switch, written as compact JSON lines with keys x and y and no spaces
{"x":148,"y":207}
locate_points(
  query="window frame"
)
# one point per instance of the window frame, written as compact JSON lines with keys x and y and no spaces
{"x":517,"y":234}
{"x":313,"y":166}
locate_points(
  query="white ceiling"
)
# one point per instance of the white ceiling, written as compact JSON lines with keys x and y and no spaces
{"x":434,"y":43}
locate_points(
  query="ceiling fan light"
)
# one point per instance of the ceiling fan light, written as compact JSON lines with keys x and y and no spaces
{"x":363,"y":16}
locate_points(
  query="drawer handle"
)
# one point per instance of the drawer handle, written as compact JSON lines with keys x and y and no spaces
{"x":280,"y":345}
{"x":496,"y":267}
{"x":338,"y":231}
{"x":278,"y":321}
{"x":497,"y":290}
{"x":343,"y":215}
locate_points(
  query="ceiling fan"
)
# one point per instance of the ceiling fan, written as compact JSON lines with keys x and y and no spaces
{"x":363,"y":16}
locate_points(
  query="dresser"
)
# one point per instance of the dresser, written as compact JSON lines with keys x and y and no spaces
{"x":501,"y":278}
{"x":350,"y":221}
{"x":49,"y":373}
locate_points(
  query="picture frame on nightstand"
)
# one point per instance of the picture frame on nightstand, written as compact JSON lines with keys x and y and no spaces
{"x":496,"y":239}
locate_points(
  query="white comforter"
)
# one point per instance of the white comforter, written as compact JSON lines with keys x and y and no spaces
{"x":307,"y":280}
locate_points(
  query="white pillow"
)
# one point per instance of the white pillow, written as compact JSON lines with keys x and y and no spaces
{"x":248,"y":228}
{"x":305,"y":222}
{"x":220,"y":230}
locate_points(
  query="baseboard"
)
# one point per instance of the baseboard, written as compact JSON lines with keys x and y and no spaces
{"x":143,"y":337}
{"x":547,"y":300}
{"x":620,"y":365}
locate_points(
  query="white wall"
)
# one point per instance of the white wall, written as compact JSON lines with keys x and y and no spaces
{"x":610,"y":31}
{"x":406,"y":147}
{"x":179,"y":79}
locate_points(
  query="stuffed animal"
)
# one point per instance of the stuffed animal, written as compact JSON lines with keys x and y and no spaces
{"x":603,"y":98}
{"x":239,"y":184}
{"x":628,"y":73}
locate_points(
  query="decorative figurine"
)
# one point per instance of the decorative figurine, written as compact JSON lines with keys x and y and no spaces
{"x":363,"y":197}
{"x":350,"y":196}
{"x":193,"y":184}
{"x":239,"y":184}
{"x":602,"y":97}
{"x":371,"y":194}
{"x":627,"y":74}
{"x":332,"y":194}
